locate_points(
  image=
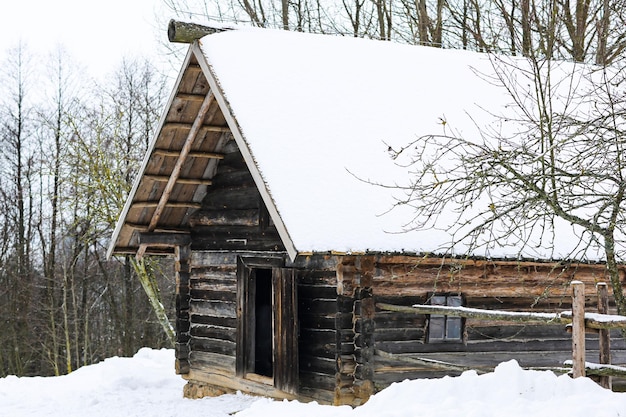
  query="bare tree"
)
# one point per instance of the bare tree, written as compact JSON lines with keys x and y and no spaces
{"x":18,"y":161}
{"x":560,"y":171}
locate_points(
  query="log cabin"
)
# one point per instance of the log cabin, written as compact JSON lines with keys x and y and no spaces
{"x":254,"y":183}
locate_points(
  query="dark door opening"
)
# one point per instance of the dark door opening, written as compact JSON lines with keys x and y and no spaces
{"x":263,"y":329}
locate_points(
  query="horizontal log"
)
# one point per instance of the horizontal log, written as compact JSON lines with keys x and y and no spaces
{"x":212,"y":309}
{"x":235,"y":238}
{"x":186,"y":32}
{"x":248,"y":217}
{"x":317,"y":381}
{"x":191,"y":154}
{"x":601,"y":370}
{"x":222,"y":347}
{"x":187,"y":126}
{"x":132,"y":250}
{"x":213,"y":295}
{"x":144,"y":227}
{"x":212,"y":361}
{"x":431,"y":363}
{"x":186,"y":181}
{"x":327,"y":366}
{"x":164,"y":239}
{"x":216,"y":321}
{"x":169,"y":204}
{"x":592,"y":320}
{"x":213,"y":332}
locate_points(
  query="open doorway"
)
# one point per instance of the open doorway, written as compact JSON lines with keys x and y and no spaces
{"x":261,"y":280}
{"x":267,"y":337}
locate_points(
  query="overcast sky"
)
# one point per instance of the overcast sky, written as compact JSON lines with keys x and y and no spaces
{"x":97,"y":34}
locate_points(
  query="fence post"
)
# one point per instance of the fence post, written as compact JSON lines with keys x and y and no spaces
{"x":578,"y":329}
{"x":604,"y":334}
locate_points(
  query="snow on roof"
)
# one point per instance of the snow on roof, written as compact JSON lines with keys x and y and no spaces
{"x":318,"y":114}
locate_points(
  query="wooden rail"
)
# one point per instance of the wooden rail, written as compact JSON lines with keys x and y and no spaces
{"x":577,"y":320}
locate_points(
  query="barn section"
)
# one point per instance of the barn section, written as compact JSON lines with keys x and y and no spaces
{"x":278,"y":275}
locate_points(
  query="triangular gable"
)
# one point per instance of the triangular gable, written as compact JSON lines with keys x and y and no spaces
{"x":179,"y":166}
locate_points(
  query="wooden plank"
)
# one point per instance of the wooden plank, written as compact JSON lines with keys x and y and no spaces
{"x":220,"y":346}
{"x":563,"y":318}
{"x":212,"y":361}
{"x":211,"y":295}
{"x":186,"y":181}
{"x":231,"y":217}
{"x":176,"y":171}
{"x":164,"y":239}
{"x":604,"y":334}
{"x":578,"y":329}
{"x":171,"y":204}
{"x":213,"y":332}
{"x":203,"y":129}
{"x":213,"y":308}
{"x":190,"y":97}
{"x":286,"y":366}
{"x":432,"y":363}
{"x":191,"y":154}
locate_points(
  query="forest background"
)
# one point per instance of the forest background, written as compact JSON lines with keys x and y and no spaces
{"x":70,"y":147}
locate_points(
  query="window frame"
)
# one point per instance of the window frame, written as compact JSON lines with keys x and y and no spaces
{"x":445,"y":323}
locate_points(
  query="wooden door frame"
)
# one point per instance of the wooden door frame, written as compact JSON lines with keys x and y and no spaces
{"x":285,"y":322}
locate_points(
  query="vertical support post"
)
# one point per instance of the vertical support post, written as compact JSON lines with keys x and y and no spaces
{"x":604,"y":334}
{"x":578,"y":329}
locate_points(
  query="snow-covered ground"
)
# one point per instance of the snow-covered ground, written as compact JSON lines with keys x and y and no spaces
{"x":146,"y":386}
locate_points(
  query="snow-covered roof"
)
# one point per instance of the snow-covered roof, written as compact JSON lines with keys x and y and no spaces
{"x":315,"y":117}
{"x":319,"y":113}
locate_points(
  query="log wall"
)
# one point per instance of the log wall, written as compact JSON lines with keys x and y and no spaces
{"x":319,"y":320}
{"x":340,"y":329}
{"x":233,"y":215}
{"x":524,"y":286}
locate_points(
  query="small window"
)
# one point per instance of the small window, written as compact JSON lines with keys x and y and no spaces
{"x":445,"y":328}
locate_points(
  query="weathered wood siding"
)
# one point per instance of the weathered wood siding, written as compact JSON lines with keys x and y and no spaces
{"x":233,"y":216}
{"x":213,"y":322}
{"x":317,"y":310}
{"x":213,"y":315}
{"x":489,"y":285}
{"x":232,"y":219}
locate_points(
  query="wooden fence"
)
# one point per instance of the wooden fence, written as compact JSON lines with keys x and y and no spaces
{"x":576,"y":320}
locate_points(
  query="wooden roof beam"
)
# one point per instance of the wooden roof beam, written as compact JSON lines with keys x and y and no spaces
{"x":164,"y":240}
{"x":186,"y":181}
{"x":132,"y":250}
{"x":204,"y":128}
{"x":190,"y":97}
{"x":191,"y":154}
{"x":171,"y":204}
{"x":184,"y":152}
{"x":144,"y":228}
{"x":161,"y":241}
